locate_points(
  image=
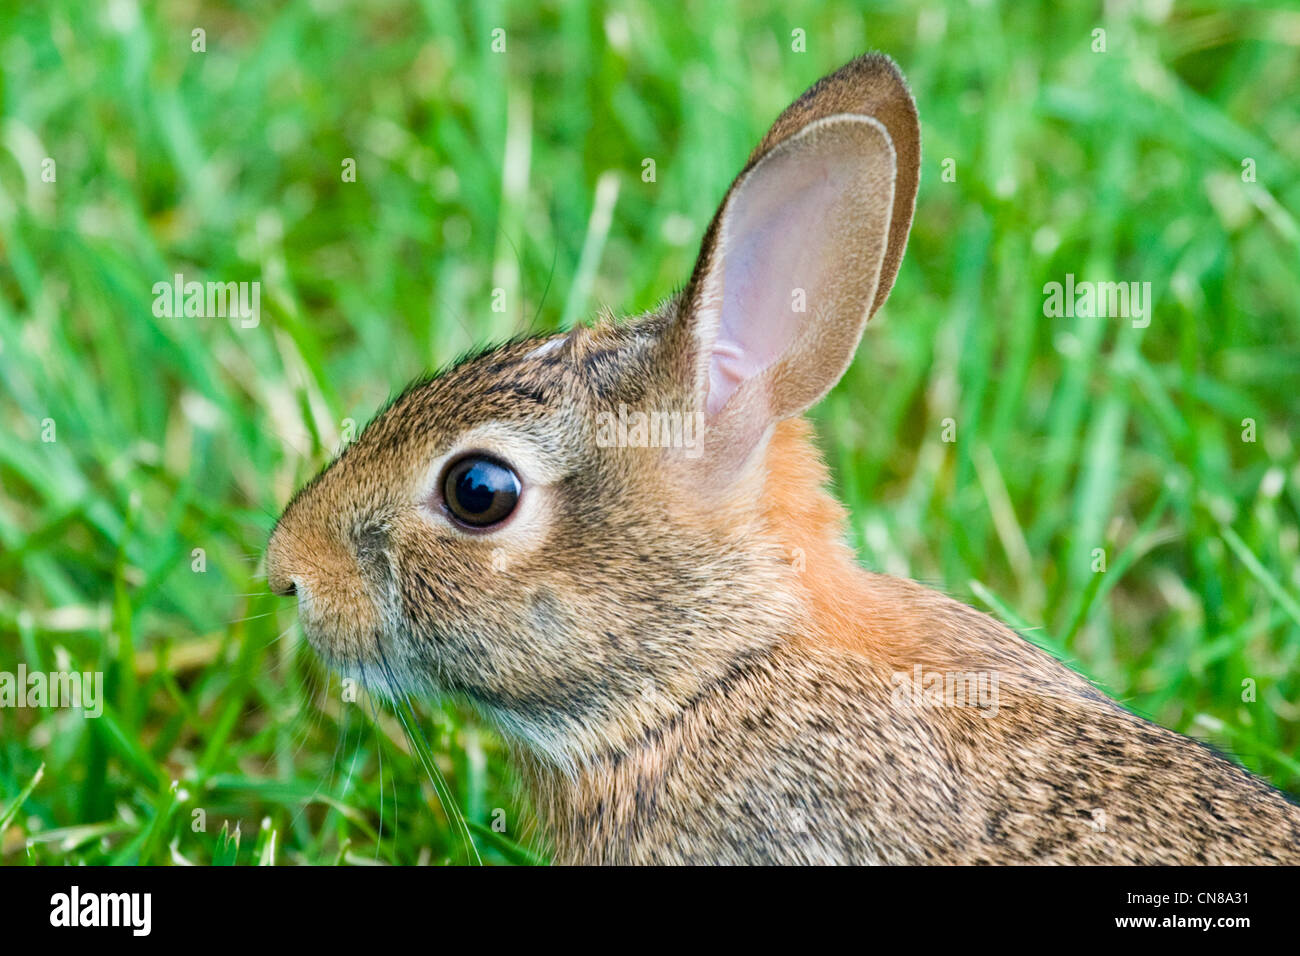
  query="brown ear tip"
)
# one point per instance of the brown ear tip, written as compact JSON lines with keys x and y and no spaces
{"x":876,"y":66}
{"x":877,"y":61}
{"x":871,"y":85}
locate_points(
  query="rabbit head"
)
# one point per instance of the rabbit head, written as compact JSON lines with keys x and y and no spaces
{"x":575,"y":532}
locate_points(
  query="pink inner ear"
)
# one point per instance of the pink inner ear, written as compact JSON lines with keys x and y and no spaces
{"x":776,"y":241}
{"x":727,"y":369}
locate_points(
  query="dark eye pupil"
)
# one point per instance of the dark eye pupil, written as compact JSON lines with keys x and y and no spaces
{"x":473,"y":493}
{"x":480,"y":491}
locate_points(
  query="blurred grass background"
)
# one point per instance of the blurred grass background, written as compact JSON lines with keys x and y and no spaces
{"x":479,"y":170}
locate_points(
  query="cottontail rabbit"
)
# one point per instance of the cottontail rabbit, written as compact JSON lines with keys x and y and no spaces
{"x":589,"y":536}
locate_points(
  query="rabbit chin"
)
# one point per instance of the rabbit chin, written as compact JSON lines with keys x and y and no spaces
{"x":383,"y":662}
{"x":396,"y":664}
{"x":395,"y":667}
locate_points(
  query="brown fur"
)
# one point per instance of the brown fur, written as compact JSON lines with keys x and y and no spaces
{"x":684,"y":653}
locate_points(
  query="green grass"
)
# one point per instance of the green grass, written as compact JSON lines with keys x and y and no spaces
{"x":177,"y":434}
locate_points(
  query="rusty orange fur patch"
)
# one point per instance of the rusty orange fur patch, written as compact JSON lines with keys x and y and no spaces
{"x":887,"y":619}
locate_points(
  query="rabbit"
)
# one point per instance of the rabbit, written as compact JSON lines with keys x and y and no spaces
{"x":617,"y":545}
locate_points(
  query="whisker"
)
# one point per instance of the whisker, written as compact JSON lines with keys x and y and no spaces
{"x":379,"y":751}
{"x":251,"y":617}
{"x":402,"y":704}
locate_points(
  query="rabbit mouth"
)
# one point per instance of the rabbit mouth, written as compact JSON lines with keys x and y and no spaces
{"x":380,"y":661}
{"x":356,"y":625}
{"x":372,"y":665}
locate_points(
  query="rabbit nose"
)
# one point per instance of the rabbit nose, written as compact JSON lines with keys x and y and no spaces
{"x":279,"y":583}
{"x":282,"y":589}
{"x":279,"y":577}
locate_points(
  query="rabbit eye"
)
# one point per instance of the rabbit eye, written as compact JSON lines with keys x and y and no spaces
{"x":480,"y":491}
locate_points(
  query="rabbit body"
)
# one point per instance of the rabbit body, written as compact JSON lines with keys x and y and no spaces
{"x":667,"y":624}
{"x":803,"y":752}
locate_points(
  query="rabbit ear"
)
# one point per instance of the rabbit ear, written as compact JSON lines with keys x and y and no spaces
{"x":802,"y":252}
{"x":871,"y":86}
